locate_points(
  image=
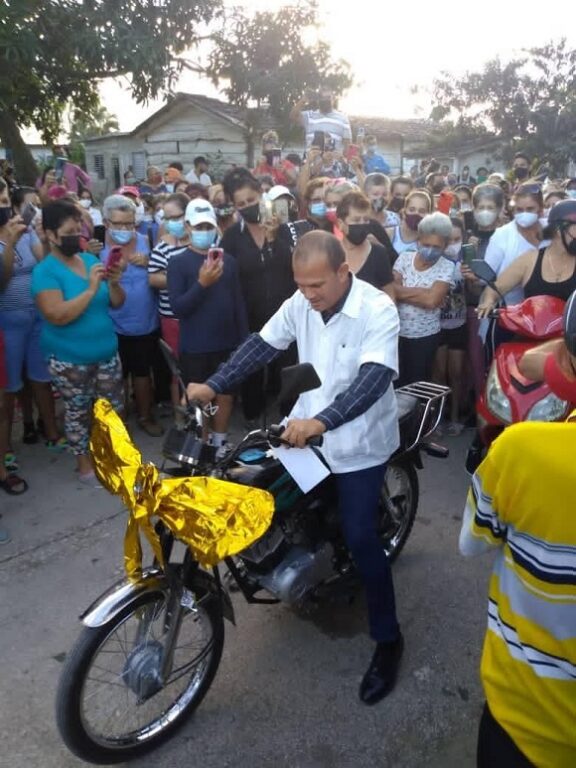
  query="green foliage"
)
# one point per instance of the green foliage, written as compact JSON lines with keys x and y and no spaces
{"x":265,"y":59}
{"x":529,"y":102}
{"x":53,"y":53}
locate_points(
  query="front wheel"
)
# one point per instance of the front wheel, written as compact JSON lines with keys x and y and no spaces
{"x":116,"y":700}
{"x":398,"y":507}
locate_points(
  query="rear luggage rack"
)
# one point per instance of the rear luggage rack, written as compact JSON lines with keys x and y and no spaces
{"x":432,"y":398}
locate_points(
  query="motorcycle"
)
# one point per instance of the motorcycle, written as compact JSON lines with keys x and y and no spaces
{"x":509,"y":397}
{"x":151,"y":645}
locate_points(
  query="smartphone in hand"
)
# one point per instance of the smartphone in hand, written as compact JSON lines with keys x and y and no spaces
{"x":114,"y":258}
{"x":216,"y":254}
{"x":28,"y":213}
{"x":100,"y":233}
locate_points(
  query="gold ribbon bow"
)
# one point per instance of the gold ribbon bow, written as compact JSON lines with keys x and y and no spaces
{"x":214,"y":518}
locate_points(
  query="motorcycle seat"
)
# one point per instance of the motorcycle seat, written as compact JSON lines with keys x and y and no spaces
{"x":407,"y":404}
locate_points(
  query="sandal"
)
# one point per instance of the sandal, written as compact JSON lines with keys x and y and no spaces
{"x":11,"y":483}
{"x":58,"y":446}
{"x":10,"y":462}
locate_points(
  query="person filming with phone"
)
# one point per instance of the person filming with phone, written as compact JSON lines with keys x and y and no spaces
{"x":205,"y":295}
{"x":74,"y":292}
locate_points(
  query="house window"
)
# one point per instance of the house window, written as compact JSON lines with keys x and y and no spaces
{"x":139,"y":165}
{"x":99,"y":166}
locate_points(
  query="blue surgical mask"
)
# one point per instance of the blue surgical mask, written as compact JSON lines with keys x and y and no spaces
{"x":526,"y":218}
{"x":202,"y":239}
{"x":318,"y":210}
{"x":121,"y":236}
{"x":430,"y":253}
{"x":175,"y":228}
{"x":571,"y":194}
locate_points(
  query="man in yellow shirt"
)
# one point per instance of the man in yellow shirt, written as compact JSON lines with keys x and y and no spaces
{"x":522,"y":502}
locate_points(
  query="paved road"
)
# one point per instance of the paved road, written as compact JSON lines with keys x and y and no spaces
{"x":286,"y":692}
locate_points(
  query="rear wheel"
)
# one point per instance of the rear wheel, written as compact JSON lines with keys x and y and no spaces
{"x":113,"y":703}
{"x":398,"y":507}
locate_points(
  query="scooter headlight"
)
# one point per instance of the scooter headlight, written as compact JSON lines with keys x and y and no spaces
{"x":550,"y":408}
{"x":497,"y":401}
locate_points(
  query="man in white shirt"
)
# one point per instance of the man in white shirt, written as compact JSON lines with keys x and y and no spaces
{"x":199,"y":174}
{"x":325,"y":119}
{"x":348,"y":331}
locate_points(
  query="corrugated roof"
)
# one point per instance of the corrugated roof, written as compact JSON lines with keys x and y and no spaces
{"x":414,"y":129}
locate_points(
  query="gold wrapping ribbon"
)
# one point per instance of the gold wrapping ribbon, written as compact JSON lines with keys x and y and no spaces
{"x":215,"y":518}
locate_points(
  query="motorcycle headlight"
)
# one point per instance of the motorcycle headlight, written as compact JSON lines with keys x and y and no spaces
{"x":550,"y":408}
{"x":496,"y":400}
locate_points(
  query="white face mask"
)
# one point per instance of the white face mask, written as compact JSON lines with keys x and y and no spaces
{"x":526,"y":219}
{"x":485,"y":218}
{"x":140,"y":213}
{"x":86,"y":203}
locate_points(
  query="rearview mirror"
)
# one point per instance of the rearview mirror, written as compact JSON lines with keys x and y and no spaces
{"x":483,"y":271}
{"x":295,"y":380}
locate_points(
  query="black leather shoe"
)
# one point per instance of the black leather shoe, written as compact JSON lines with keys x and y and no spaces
{"x":380,"y":678}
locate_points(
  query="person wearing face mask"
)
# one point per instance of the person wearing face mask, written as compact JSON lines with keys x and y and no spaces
{"x":283,"y":172}
{"x":315,"y":215}
{"x":373,"y":162}
{"x":225,"y":211}
{"x":321,"y":117}
{"x":547,"y":271}
{"x":417,"y":205}
{"x":377,"y":189}
{"x":466,"y":178}
{"x":86,"y":200}
{"x":481,"y":174}
{"x":451,"y":354}
{"x":570,"y":188}
{"x":136,"y":321}
{"x":422,"y":281}
{"x":154,"y":185}
{"x":400,"y":188}
{"x":435,"y":183}
{"x":368,"y":261}
{"x":204,"y":293}
{"x":264,"y":268}
{"x":74,"y":292}
{"x":520,"y":168}
{"x":174,"y":241}
{"x":21,"y":326}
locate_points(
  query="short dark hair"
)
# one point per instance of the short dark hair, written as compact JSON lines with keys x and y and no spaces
{"x":352,"y":200}
{"x":196,"y":190}
{"x":179,"y":198}
{"x":434,"y":166}
{"x":376,"y":180}
{"x":19,"y":194}
{"x":522,"y":156}
{"x":177,"y":165}
{"x":56,"y":213}
{"x":401,"y":180}
{"x":319,"y":241}
{"x":201,"y":159}
{"x":294,"y":158}
{"x":481,"y":168}
{"x":237,"y":179}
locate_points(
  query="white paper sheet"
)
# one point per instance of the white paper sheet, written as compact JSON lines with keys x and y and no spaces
{"x":304,"y":466}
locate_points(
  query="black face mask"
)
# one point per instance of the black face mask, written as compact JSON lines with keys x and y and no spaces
{"x":520,"y":173}
{"x":5,"y":215}
{"x":357,"y":233}
{"x":251,"y":213}
{"x":570,"y":246}
{"x":69,"y":245}
{"x":396,"y":204}
{"x":325,"y":105}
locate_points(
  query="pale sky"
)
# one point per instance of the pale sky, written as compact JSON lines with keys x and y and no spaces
{"x":395,"y":46}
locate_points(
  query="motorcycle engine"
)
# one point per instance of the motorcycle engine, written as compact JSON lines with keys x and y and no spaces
{"x":285,"y":569}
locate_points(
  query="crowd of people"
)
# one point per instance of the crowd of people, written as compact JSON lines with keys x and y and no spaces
{"x":89,"y":286}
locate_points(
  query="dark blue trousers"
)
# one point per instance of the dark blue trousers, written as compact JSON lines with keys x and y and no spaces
{"x":358,"y":495}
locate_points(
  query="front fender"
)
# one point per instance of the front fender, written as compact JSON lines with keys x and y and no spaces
{"x":121,"y":594}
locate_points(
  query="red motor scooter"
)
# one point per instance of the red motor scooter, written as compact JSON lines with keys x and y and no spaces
{"x":508,"y":396}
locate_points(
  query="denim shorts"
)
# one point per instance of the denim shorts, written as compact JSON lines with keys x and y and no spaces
{"x":22,"y":328}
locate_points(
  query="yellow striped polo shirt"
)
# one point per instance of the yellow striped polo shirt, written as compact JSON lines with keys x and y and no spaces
{"x":523,"y":501}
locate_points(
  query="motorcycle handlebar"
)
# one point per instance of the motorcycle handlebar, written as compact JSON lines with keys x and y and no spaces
{"x":275,"y":431}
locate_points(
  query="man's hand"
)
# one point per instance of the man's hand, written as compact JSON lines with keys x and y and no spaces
{"x":113,"y":274}
{"x":202,"y":393}
{"x":299,"y":431}
{"x":210,"y":272}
